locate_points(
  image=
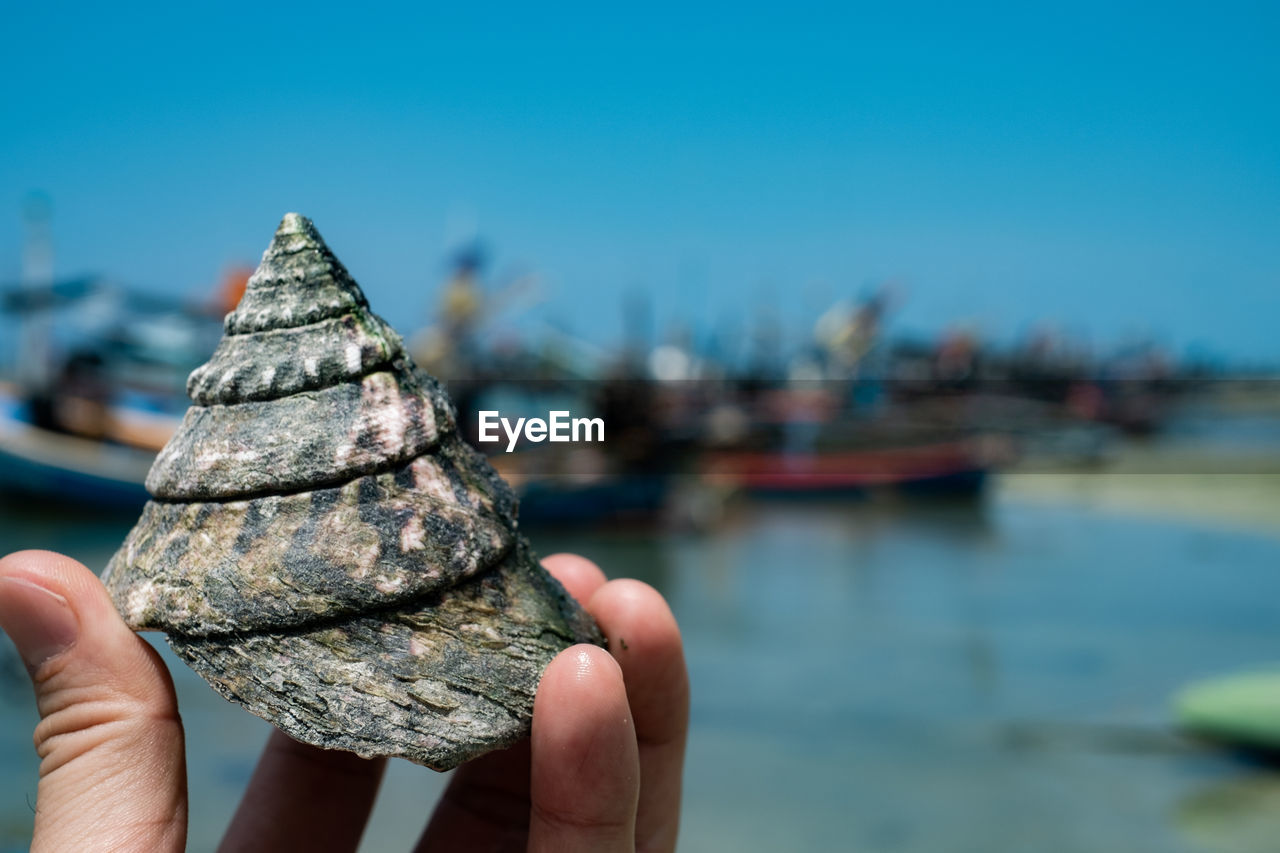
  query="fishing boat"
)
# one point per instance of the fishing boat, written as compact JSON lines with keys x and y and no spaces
{"x":101,"y":373}
{"x":1240,"y":711}
{"x":59,"y":466}
{"x":634,"y":498}
{"x":581,"y":486}
{"x":951,"y":468}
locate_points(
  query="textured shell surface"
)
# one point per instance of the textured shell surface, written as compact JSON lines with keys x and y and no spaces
{"x":324,"y":549}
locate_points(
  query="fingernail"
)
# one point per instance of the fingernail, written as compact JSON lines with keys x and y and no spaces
{"x":39,"y":621}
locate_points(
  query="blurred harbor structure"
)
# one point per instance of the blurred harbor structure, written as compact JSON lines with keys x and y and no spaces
{"x":954,"y":533}
{"x":97,"y":384}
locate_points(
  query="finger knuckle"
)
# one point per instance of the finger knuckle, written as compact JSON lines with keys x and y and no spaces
{"x":581,"y":820}
{"x":78,"y":721}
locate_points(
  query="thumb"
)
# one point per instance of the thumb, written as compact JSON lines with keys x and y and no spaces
{"x":112,"y":773}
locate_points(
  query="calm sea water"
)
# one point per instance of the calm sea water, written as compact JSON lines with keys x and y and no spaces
{"x":873,"y":678}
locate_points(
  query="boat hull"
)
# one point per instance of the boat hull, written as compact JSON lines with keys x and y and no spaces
{"x":69,"y":469}
{"x":954,"y":469}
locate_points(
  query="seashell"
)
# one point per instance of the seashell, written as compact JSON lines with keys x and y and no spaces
{"x":324,"y":549}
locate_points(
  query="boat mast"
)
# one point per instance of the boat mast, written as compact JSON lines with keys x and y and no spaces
{"x":34,"y":358}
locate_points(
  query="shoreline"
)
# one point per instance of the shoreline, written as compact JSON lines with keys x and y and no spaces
{"x":1234,"y":499}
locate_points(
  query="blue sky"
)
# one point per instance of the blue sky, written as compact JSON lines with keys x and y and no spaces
{"x":1113,"y":170}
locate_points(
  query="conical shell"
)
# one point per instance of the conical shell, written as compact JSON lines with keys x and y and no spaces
{"x":325,"y":550}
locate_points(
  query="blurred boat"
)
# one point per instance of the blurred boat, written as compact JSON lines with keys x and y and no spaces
{"x":69,"y":468}
{"x":1241,"y":711}
{"x":581,"y":486}
{"x":100,"y":388}
{"x":955,"y":468}
{"x":631,"y":498}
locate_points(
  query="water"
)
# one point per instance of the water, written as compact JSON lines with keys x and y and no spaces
{"x":876,"y":678}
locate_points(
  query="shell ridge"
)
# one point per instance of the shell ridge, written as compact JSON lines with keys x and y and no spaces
{"x":278,"y":362}
{"x":387,"y":366}
{"x":421,"y":600}
{"x":389,"y":466}
{"x":260,"y":446}
{"x":276,"y":280}
{"x":425,"y":539}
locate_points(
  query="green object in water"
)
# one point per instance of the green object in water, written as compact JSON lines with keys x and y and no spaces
{"x":1242,"y":709}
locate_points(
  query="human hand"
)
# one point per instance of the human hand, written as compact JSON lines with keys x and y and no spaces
{"x":601,"y":771}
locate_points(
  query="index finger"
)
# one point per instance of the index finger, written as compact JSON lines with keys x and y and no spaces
{"x":645,"y":640}
{"x":486,"y":806}
{"x":579,"y":576}
{"x":585,"y":773}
